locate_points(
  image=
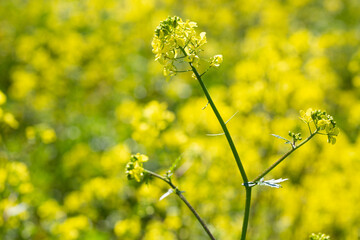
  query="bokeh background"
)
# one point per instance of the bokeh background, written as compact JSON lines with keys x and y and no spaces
{"x":80,"y":92}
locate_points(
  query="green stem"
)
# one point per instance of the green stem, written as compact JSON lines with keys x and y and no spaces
{"x":232,"y":146}
{"x":178,"y":192}
{"x":246,"y":213}
{"x":222,"y":123}
{"x":234,"y":151}
{"x":283,"y":157}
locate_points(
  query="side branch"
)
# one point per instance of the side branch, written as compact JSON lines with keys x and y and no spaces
{"x":284,"y":157}
{"x":181,"y":196}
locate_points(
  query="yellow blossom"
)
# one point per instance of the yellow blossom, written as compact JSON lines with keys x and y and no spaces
{"x":10,"y":120}
{"x":134,"y":168}
{"x":172,"y":38}
{"x":216,"y":60}
{"x":2,"y":98}
{"x":48,"y":136}
{"x":306,"y":116}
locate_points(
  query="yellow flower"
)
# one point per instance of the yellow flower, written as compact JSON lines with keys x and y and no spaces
{"x":202,"y":40}
{"x":141,"y":157}
{"x":216,"y":60}
{"x":137,"y":172}
{"x":172,"y":38}
{"x":180,"y":41}
{"x":306,"y":116}
{"x":332,"y":131}
{"x":48,"y":136}
{"x":130,"y":227}
{"x":134,"y":168}
{"x":10,"y":120}
{"x":322,"y":121}
{"x":322,"y":124}
{"x":2,"y":98}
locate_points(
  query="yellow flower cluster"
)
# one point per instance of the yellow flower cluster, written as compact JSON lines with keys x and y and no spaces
{"x":46,"y":133}
{"x":216,"y":60}
{"x":177,"y":40}
{"x":319,"y":236}
{"x":306,"y":116}
{"x":134,"y":169}
{"x":7,"y":117}
{"x":147,"y":121}
{"x":15,"y":187}
{"x":71,"y":228}
{"x":322,"y":121}
{"x":174,"y":37}
{"x":68,"y":64}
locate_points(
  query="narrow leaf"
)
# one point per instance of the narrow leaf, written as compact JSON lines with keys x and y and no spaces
{"x":205,"y":106}
{"x":231,"y":117}
{"x":170,"y":191}
{"x":280,"y":137}
{"x":214,"y":134}
{"x":175,"y":164}
{"x":272,"y":182}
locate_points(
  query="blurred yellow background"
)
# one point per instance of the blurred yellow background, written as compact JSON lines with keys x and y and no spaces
{"x":80,"y":91}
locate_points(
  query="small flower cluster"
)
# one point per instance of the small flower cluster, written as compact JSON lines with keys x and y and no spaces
{"x":322,"y":121}
{"x":177,"y":40}
{"x":295,"y":136}
{"x":7,"y":117}
{"x":319,"y":236}
{"x":216,"y":60}
{"x":134,"y":168}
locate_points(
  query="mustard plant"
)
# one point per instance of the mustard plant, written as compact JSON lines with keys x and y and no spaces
{"x":176,"y":44}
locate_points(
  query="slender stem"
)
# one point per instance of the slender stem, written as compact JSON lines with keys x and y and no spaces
{"x":182,"y":71}
{"x":195,"y":213}
{"x":308,"y":124}
{"x":283,"y":157}
{"x":178,"y":192}
{"x":205,"y":71}
{"x":247,"y":213}
{"x":232,"y":146}
{"x":234,"y":151}
{"x":221,"y":121}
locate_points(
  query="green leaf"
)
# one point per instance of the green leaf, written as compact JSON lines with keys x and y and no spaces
{"x":170,"y":191}
{"x":286,"y":140}
{"x":271,"y":183}
{"x":175,"y":165}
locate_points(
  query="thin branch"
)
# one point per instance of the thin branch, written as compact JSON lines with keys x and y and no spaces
{"x":284,"y":157}
{"x":308,"y":124}
{"x":325,"y":134}
{"x":231,"y":117}
{"x":180,"y":57}
{"x":205,"y":106}
{"x":205,"y":71}
{"x":179,"y":193}
{"x":186,"y":45}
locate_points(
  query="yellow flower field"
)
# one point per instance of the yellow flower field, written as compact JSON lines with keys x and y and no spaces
{"x":81,"y":94}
